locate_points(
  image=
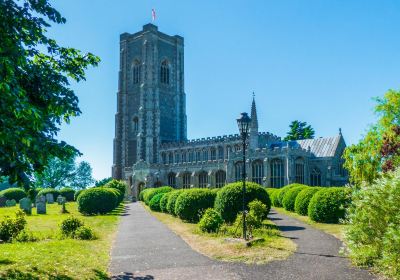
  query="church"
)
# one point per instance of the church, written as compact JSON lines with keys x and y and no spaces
{"x":151,"y":146}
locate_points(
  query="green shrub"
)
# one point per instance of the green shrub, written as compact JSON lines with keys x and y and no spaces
{"x":164,"y":202}
{"x":172,"y":200}
{"x":152,"y":192}
{"x":275,"y":198}
{"x":11,"y":227}
{"x":68,"y":193}
{"x":289,"y":199}
{"x":84,"y":233}
{"x":303,"y":200}
{"x":211,"y":221}
{"x":258,"y":211}
{"x":119,"y":186}
{"x":97,"y":201}
{"x":26,"y":236}
{"x":13,"y":193}
{"x":69,"y":226}
{"x":229,"y":199}
{"x":283,"y":191}
{"x":329,"y":205}
{"x":191,"y":204}
{"x":373,"y":236}
{"x":77,"y":193}
{"x":117,"y":196}
{"x":54,"y":192}
{"x":142,"y":193}
{"x":154,"y":203}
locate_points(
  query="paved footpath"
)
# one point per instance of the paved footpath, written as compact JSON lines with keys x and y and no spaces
{"x":146,"y":249}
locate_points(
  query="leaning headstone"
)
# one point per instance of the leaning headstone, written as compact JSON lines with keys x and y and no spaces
{"x":3,"y":201}
{"x":40,"y":207}
{"x":26,"y":205}
{"x":60,"y":200}
{"x":11,"y":203}
{"x":49,"y":198}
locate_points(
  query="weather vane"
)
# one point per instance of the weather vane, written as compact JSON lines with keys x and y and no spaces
{"x":153,"y":15}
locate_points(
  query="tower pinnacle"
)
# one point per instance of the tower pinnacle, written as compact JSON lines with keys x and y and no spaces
{"x":254,"y":120}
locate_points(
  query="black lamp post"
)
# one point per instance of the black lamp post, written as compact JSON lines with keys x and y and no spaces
{"x":243,"y":124}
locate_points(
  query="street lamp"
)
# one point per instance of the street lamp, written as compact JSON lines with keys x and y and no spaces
{"x":243,"y":124}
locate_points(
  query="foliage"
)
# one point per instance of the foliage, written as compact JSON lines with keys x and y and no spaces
{"x":77,"y":193}
{"x":259,"y":211}
{"x":142,"y":193}
{"x":303,"y":200}
{"x":172,"y":201}
{"x":120,"y":186}
{"x":68,"y":193}
{"x":154,"y":203}
{"x":283,"y":191}
{"x":83,"y":176}
{"x":54,"y":192}
{"x":153,"y":191}
{"x":164,"y":202}
{"x":211,"y":221}
{"x":11,"y":227}
{"x":35,"y":92}
{"x":84,"y":233}
{"x":191,"y":204}
{"x":13,"y":193}
{"x":274,"y":196}
{"x":329,"y":205}
{"x":373,"y":237}
{"x":97,"y":201}
{"x":102,"y":182}
{"x":299,"y":130}
{"x":289,"y":199}
{"x":229,"y":199}
{"x":70,"y":225}
{"x":26,"y":236}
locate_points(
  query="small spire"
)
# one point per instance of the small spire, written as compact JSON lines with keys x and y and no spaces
{"x":254,"y":120}
{"x":340,"y":131}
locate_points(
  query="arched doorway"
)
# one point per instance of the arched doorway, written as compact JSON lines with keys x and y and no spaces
{"x":140,"y":188}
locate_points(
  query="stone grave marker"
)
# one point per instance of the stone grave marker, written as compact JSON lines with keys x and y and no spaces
{"x":11,"y":203}
{"x":60,"y":200}
{"x":41,"y":207}
{"x":50,"y":198}
{"x":3,"y":201}
{"x":26,"y":205}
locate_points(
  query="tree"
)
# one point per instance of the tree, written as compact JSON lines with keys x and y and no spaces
{"x":299,"y":130}
{"x":83,"y":176}
{"x":35,"y":93}
{"x":102,"y":182}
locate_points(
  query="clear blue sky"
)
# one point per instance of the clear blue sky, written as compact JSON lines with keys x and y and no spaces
{"x":316,"y":61}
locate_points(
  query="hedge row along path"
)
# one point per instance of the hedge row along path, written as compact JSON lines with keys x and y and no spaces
{"x":146,"y":249}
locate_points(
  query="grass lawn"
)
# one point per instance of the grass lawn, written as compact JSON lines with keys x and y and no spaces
{"x":275,"y":247}
{"x":56,"y":258}
{"x":337,"y":230}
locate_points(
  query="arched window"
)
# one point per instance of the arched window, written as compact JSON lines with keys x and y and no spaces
{"x":136,"y":69}
{"x":257,"y":171}
{"x":191,"y":158}
{"x":198,"y":155}
{"x":186,"y":180}
{"x":299,"y":170}
{"x":170,"y":158}
{"x":164,"y":158}
{"x":172,"y":179}
{"x":238,"y":171}
{"x":315,"y":177}
{"x":135,"y":124}
{"x":183,"y":156}
{"x":205,"y":155}
{"x":220,"y":152}
{"x":228,"y":151}
{"x":277,"y":173}
{"x":220,"y":178}
{"x":177,"y":158}
{"x":213,"y":154}
{"x":203,"y":179}
{"x":164,"y":72}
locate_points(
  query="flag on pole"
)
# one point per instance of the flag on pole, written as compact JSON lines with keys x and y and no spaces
{"x":153,"y":14}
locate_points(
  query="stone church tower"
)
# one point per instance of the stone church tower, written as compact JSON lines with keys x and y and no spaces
{"x":151,"y":102}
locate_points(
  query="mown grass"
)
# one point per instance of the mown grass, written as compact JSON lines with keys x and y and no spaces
{"x":337,"y":230}
{"x":274,"y":246}
{"x":53,"y":257}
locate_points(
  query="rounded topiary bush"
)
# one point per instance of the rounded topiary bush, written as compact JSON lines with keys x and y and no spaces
{"x":164,"y":202}
{"x":70,"y":225}
{"x":68,"y":193}
{"x":77,"y":193}
{"x":303,"y":200}
{"x":211,"y":221}
{"x":13,"y":193}
{"x":119,"y":186}
{"x":54,"y":192}
{"x":117,"y":196}
{"x":142,"y":193}
{"x":84,"y":233}
{"x":329,"y":205}
{"x":152,"y":192}
{"x":191,"y":204}
{"x":229,"y":199}
{"x":283,"y":192}
{"x":289,"y":199}
{"x":274,"y":196}
{"x":97,"y":201}
{"x":154,"y":203}
{"x":171,"y":201}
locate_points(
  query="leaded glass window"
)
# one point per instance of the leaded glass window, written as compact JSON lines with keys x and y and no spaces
{"x":277,"y":173}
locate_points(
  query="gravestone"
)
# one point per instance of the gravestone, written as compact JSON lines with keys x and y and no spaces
{"x":26,"y":205}
{"x":11,"y":203}
{"x":60,"y":200}
{"x":50,"y":198}
{"x":40,"y":207}
{"x":3,"y":201}
{"x":41,"y":198}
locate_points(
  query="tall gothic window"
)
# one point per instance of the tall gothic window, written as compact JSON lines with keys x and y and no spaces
{"x":135,"y":124}
{"x":164,"y":158}
{"x":299,"y":170}
{"x":186,"y":180}
{"x":277,"y":173}
{"x":184,"y":157}
{"x":228,"y":151}
{"x":164,"y":72}
{"x":170,"y":158}
{"x":220,"y":178}
{"x":315,"y":177}
{"x":213,"y":154}
{"x":205,"y":155}
{"x":220,"y":152}
{"x":198,"y":156}
{"x":238,"y":171}
{"x":203,"y":179}
{"x":177,"y":158}
{"x":172,"y":179}
{"x":191,"y":158}
{"x":136,"y":69}
{"x":257,"y":171}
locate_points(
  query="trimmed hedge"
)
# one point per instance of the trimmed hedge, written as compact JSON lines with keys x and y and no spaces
{"x":303,"y":200}
{"x":211,"y":221}
{"x":289,"y":199}
{"x":191,"y":204}
{"x":77,"y":193}
{"x":142,"y":193}
{"x":154,"y":203}
{"x":329,"y":205}
{"x":275,"y":198}
{"x":13,"y":193}
{"x":68,"y":193}
{"x":164,"y":202}
{"x":152,"y":192}
{"x":54,"y":192}
{"x":229,"y":199}
{"x":119,"y":186}
{"x":97,"y":201}
{"x":172,"y":200}
{"x":284,"y":190}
